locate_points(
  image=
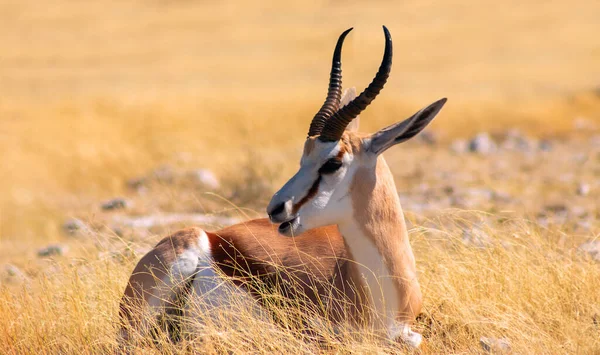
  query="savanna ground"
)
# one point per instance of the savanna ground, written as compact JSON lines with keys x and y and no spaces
{"x":128,"y":99}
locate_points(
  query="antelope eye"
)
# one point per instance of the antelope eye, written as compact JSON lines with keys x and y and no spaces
{"x":331,"y":166}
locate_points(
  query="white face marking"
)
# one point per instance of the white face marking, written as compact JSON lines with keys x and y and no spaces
{"x":331,"y":203}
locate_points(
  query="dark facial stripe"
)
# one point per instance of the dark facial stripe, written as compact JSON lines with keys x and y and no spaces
{"x":310,"y":194}
{"x":315,"y":186}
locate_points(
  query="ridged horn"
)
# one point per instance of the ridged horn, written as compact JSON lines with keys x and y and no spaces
{"x":334,"y":93}
{"x":337,"y":123}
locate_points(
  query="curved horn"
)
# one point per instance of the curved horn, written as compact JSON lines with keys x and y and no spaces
{"x":334,"y":93}
{"x":335,"y":126}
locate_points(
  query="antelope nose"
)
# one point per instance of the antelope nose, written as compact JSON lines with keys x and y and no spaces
{"x":276,"y":211}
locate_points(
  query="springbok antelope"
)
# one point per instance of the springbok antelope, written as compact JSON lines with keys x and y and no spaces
{"x":343,"y":180}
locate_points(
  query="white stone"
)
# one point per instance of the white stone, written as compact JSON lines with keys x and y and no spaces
{"x":591,"y":248}
{"x":205,"y":178}
{"x":483,"y":143}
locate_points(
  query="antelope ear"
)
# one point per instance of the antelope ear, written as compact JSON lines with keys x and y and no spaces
{"x":349,"y":95}
{"x":402,"y":131}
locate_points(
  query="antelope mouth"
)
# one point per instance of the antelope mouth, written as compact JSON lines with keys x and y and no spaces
{"x":288,"y":227}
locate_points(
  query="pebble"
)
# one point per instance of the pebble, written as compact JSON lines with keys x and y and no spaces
{"x":515,"y":140}
{"x":53,"y":250}
{"x":482,"y":143}
{"x":13,"y":274}
{"x":557,"y":208}
{"x":591,"y":248}
{"x":583,"y":189}
{"x":553,"y":214}
{"x":74,"y":226}
{"x":495,"y":345}
{"x":545,"y":145}
{"x":205,"y":178}
{"x":116,"y":204}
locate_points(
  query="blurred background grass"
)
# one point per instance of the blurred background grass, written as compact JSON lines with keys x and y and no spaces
{"x":95,"y":92}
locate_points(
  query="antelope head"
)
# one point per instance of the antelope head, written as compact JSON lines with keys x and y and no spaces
{"x":320,"y":192}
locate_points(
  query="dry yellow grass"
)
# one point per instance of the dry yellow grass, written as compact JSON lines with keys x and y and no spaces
{"x":93,"y":93}
{"x":528,"y":287}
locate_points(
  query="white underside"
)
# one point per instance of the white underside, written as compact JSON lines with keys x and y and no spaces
{"x":375,"y":274}
{"x":379,"y":280}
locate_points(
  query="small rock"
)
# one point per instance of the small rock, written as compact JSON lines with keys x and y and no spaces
{"x":515,"y":140}
{"x":555,"y":214}
{"x":53,"y":250}
{"x":205,"y":178}
{"x":545,"y":145}
{"x":493,"y":345}
{"x":591,"y":248}
{"x":116,"y":204}
{"x":459,"y":146}
{"x":12,"y":273}
{"x":558,"y":208}
{"x":482,"y":143}
{"x":75,"y":226}
{"x":583,"y":189}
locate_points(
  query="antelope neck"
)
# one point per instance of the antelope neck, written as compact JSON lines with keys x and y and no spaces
{"x":377,"y":239}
